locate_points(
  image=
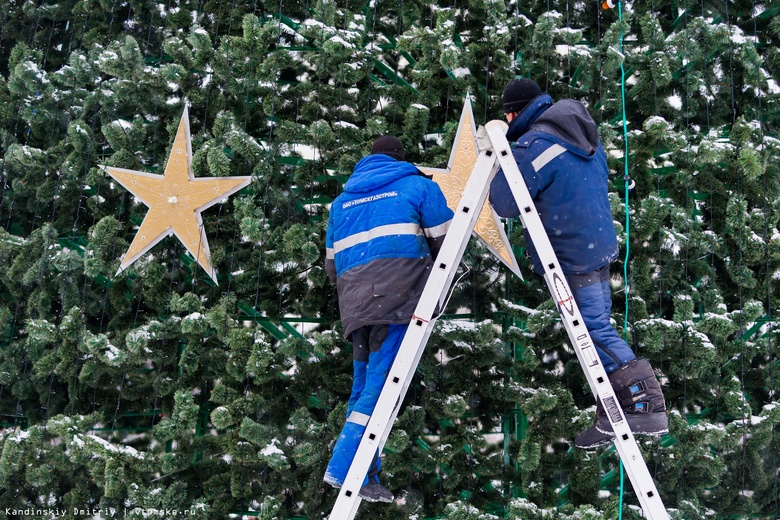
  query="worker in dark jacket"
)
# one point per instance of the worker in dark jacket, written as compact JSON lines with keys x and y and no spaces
{"x":557,"y":149}
{"x":383,"y":233}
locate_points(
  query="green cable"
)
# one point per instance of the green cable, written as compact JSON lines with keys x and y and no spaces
{"x":620,"y":502}
{"x":626,"y":180}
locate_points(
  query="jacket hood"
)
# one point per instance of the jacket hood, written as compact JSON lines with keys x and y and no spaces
{"x":522,"y":123}
{"x":567,"y":120}
{"x":570,"y":121}
{"x":377,"y":170}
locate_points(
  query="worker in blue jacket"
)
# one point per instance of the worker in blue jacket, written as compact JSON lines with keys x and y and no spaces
{"x":557,"y":149}
{"x":383,"y":233}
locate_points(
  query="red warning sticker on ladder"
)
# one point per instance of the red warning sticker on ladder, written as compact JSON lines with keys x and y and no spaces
{"x":563,"y":297}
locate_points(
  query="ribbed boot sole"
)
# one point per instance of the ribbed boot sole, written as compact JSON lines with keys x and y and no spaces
{"x":642,"y":424}
{"x":595,"y":444}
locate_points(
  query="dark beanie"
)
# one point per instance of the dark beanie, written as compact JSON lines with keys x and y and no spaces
{"x":519,"y":93}
{"x":389,"y":145}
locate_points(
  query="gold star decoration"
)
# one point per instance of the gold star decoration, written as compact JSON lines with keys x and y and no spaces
{"x":175,"y":201}
{"x":452,"y":181}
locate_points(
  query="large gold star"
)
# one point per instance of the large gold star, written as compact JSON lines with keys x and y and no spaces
{"x":452,"y":181}
{"x":175,"y":200}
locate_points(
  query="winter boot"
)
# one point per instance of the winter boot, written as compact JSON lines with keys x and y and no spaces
{"x":593,"y":437}
{"x":640,"y":396}
{"x":375,"y":492}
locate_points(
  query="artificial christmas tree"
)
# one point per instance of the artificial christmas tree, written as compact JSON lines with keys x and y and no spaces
{"x":156,"y":389}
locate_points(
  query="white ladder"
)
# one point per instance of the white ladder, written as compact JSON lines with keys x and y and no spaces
{"x":494,"y":152}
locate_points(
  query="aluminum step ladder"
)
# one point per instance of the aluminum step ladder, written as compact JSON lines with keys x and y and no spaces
{"x":494,"y":151}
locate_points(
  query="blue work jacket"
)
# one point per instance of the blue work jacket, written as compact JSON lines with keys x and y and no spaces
{"x":383,"y":232}
{"x":559,"y":155}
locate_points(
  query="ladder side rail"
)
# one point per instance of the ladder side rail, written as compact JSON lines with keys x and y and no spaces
{"x":553,"y":276}
{"x":578,"y":334}
{"x":414,"y":342}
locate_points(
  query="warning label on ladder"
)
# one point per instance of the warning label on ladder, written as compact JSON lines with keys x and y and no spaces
{"x":612,"y":409}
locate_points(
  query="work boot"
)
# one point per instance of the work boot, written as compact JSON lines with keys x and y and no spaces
{"x":641,"y":399}
{"x":371,"y":492}
{"x":375,"y":492}
{"x":593,"y":436}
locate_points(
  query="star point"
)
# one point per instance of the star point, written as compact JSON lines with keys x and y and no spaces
{"x":175,"y":201}
{"x":452,"y":181}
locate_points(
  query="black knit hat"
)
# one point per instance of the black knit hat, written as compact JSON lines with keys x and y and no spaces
{"x":389,"y":145}
{"x":519,"y":93}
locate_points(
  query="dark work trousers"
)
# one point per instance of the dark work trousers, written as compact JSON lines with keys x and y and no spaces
{"x":374,"y":349}
{"x":592,"y":293}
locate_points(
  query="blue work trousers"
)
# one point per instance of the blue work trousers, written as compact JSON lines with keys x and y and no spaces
{"x":592,"y":293}
{"x":374,"y":349}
